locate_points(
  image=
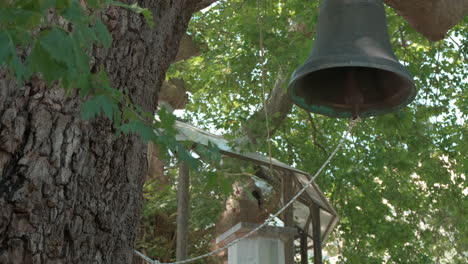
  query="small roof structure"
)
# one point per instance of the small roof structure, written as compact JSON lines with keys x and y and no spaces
{"x":301,"y":207}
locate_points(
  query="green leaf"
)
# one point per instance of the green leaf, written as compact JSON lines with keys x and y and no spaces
{"x":41,"y":61}
{"x":59,"y":45}
{"x":145,"y":132}
{"x":20,"y":18}
{"x":75,"y":13}
{"x":9,"y":58}
{"x":135,"y":8}
{"x":36,"y":5}
{"x":149,"y":17}
{"x":225,"y":185}
{"x":46,"y":4}
{"x":93,"y":107}
{"x":83,"y":83}
{"x":102,"y":79}
{"x":129,"y":114}
{"x":184,"y":155}
{"x":209,"y":153}
{"x":5,"y":46}
{"x":90,"y":109}
{"x":62,"y":5}
{"x":102,"y":34}
{"x":81,"y":58}
{"x":212,"y":179}
{"x":20,"y":70}
{"x":94,"y":4}
{"x":21,"y":38}
{"x":167,"y":121}
{"x":85,"y":35}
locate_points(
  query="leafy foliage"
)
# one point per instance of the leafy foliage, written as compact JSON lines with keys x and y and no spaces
{"x":400,"y":183}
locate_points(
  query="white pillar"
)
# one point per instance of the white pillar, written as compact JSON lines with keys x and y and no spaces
{"x":266,"y":246}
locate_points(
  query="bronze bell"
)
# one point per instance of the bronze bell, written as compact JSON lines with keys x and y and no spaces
{"x":352,"y":70}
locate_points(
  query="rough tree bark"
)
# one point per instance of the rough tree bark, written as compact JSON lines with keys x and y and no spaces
{"x":70,"y":192}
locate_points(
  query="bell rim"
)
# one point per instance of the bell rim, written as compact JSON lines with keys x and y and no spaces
{"x":328,"y":62}
{"x":318,"y":64}
{"x":332,"y":112}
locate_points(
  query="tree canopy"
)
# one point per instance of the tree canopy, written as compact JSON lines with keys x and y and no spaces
{"x":399,"y":185}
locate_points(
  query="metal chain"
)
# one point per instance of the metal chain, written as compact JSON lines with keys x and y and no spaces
{"x":352,"y":124}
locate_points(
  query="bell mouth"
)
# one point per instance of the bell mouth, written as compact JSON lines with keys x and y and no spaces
{"x":350,"y":91}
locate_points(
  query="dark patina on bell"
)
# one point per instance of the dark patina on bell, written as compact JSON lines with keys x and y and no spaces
{"x":352,"y":70}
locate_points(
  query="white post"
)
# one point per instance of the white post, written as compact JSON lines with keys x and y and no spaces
{"x":263,"y":247}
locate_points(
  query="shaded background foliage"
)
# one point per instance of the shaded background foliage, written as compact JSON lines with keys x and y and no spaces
{"x":399,"y":185}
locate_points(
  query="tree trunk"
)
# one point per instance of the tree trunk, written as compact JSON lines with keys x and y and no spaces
{"x":70,"y":192}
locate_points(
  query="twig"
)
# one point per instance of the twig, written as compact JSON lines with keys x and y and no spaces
{"x":314,"y":134}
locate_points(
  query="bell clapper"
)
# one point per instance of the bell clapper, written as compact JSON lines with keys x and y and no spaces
{"x":353,"y":94}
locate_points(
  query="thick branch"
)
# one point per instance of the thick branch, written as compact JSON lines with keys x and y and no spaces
{"x":432,"y":18}
{"x":174,"y":92}
{"x":278,"y":106}
{"x":314,"y":133}
{"x":187,"y":48}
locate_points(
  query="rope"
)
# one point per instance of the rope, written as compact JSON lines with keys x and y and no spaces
{"x":262,"y":57}
{"x":352,"y":124}
{"x":147,"y":259}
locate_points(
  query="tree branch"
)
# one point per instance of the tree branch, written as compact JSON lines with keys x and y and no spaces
{"x":187,"y":48}
{"x":278,"y":106}
{"x":314,"y":134}
{"x":432,"y":18}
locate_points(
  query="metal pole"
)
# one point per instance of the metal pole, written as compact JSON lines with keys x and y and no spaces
{"x":183,"y":197}
{"x":317,"y":236}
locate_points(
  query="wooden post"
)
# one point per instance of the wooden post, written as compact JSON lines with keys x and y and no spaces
{"x":304,"y":254}
{"x":183,"y":197}
{"x":287,"y":193}
{"x":317,"y":236}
